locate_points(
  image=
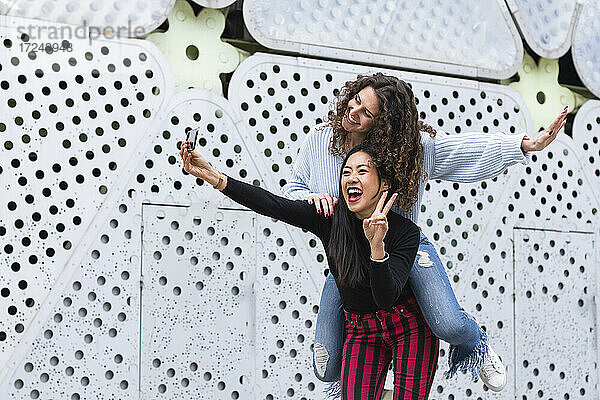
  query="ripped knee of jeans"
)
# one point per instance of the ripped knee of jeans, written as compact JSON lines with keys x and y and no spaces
{"x":321,"y":359}
{"x":423,"y":259}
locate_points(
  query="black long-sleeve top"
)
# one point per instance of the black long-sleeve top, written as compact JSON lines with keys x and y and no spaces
{"x":386,"y":285}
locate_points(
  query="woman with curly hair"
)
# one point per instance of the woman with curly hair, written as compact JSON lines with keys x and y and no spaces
{"x":370,"y":253}
{"x":381,"y":110}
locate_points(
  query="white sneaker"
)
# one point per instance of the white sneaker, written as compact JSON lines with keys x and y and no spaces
{"x":492,"y":372}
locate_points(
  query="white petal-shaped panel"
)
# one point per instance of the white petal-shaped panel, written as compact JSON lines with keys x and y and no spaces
{"x":472,"y":38}
{"x":113,"y":18}
{"x":538,"y":302}
{"x":547,"y":25}
{"x":198,"y":269}
{"x":69,"y":121}
{"x":586,"y":133}
{"x":586,"y":46}
{"x":208,"y":302}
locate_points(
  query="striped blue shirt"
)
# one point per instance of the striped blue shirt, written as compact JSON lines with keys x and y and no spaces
{"x":465,"y":157}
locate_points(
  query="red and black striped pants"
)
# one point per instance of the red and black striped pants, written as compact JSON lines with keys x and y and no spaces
{"x":400,"y":335}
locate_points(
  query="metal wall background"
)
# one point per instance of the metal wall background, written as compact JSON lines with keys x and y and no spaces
{"x":549,"y":312}
{"x":207,"y":346}
{"x":111,"y":327}
{"x":477,"y":39}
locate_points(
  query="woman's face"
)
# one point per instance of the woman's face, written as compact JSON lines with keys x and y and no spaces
{"x":361,"y":112}
{"x":360,"y":184}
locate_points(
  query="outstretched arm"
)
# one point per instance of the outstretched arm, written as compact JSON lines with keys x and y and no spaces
{"x":472,"y":157}
{"x":294,"y":212}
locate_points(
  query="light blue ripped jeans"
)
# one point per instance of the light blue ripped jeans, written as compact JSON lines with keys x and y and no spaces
{"x":430,"y":284}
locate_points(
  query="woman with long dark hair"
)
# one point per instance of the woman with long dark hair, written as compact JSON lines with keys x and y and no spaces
{"x":381,"y":110}
{"x":370,"y":253}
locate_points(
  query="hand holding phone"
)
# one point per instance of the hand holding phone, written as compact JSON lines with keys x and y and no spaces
{"x":192,"y":137}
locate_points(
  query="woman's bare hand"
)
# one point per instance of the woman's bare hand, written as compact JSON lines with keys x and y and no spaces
{"x":548,"y":135}
{"x":376,"y":226}
{"x":324,"y":203}
{"x":196,"y":165}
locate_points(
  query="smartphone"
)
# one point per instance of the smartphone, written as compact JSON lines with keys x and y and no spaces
{"x":192,"y":137}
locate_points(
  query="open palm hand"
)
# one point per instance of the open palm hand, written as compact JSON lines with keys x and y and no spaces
{"x":548,"y":135}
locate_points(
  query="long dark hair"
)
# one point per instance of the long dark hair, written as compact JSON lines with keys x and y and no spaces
{"x":348,"y":247}
{"x":396,"y":136}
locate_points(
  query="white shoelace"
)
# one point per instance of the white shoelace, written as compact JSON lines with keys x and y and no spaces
{"x":492,"y":364}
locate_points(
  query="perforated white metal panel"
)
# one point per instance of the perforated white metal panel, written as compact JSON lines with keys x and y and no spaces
{"x":472,"y":226}
{"x":586,"y":46}
{"x":586,"y":135}
{"x":287,"y":298}
{"x":556,"y":339}
{"x":153,"y":174}
{"x":285,"y":288}
{"x":198,"y":267}
{"x":457,"y":37}
{"x":555,"y":190}
{"x":69,"y":123}
{"x":547,"y":25}
{"x":120,"y":19}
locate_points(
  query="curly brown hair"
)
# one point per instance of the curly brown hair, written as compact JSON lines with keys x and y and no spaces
{"x":395,"y":139}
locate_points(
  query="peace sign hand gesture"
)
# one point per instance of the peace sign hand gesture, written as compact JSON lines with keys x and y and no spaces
{"x":376,"y":226}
